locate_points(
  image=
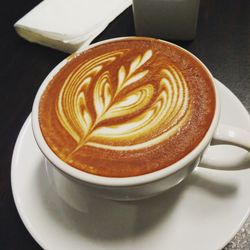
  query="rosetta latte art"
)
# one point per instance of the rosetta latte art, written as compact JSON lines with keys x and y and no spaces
{"x":153,"y":111}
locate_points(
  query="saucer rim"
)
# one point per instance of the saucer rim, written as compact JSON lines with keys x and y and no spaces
{"x":21,"y":212}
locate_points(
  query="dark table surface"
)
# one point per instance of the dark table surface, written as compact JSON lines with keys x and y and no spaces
{"x":222,"y":43}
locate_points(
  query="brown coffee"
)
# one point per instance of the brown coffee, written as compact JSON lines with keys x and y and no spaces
{"x":127,"y":107}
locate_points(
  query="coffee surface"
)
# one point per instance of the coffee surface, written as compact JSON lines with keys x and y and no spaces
{"x":127,"y":107}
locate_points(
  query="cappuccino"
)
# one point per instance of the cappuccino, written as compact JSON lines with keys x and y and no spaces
{"x":127,"y":107}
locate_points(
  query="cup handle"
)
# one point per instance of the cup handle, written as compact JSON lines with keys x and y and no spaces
{"x":229,"y":135}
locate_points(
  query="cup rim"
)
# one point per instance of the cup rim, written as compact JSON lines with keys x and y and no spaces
{"x":119,"y":181}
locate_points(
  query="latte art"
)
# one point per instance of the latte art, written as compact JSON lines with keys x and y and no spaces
{"x":117,"y":110}
{"x":165,"y":103}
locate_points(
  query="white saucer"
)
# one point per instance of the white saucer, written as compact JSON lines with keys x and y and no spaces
{"x":204,"y":212}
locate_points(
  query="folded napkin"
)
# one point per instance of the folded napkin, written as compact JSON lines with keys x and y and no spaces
{"x":67,"y":25}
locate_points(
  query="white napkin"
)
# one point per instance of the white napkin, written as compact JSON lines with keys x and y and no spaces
{"x":67,"y":25}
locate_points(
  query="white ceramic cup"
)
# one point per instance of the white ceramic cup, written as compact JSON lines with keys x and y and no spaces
{"x":72,"y":184}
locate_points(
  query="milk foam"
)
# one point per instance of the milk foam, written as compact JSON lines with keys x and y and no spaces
{"x":154,"y":106}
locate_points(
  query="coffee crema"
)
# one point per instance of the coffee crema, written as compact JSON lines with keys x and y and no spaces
{"x":127,"y":107}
